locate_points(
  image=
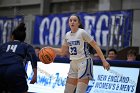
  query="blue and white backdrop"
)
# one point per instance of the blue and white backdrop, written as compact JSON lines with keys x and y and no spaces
{"x":7,"y":25}
{"x":50,"y":30}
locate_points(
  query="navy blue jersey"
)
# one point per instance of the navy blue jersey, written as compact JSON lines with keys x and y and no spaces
{"x":14,"y":52}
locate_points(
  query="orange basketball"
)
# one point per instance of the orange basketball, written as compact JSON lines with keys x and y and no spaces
{"x":47,"y":55}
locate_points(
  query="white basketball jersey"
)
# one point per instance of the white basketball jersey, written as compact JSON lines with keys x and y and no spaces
{"x":77,"y":43}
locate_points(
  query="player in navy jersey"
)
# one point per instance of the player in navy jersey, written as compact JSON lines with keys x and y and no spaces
{"x":81,"y":65}
{"x":13,"y":55}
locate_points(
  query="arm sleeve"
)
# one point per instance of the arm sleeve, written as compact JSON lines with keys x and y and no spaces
{"x":32,"y":56}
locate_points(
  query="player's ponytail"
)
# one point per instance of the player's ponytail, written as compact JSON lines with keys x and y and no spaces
{"x":80,"y":26}
{"x":19,"y":32}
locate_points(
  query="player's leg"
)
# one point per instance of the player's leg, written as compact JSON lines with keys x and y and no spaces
{"x":82,"y":85}
{"x":70,"y":86}
{"x":85,"y":73}
{"x":71,"y":82}
{"x":2,"y":80}
{"x":16,"y":79}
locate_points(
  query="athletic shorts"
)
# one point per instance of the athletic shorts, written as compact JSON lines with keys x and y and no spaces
{"x":13,"y":78}
{"x":81,"y":69}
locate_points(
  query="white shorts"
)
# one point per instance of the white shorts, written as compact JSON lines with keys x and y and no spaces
{"x":81,"y":69}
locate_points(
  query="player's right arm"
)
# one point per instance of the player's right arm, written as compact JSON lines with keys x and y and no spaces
{"x":63,"y":51}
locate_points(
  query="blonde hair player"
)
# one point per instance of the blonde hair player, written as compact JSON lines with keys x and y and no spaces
{"x":81,"y":65}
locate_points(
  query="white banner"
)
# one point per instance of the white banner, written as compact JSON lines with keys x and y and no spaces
{"x":116,"y":80}
{"x":52,"y":78}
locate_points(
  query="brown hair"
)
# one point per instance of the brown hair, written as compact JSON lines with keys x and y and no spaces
{"x":132,"y":51}
{"x":79,"y":19}
{"x":19,"y":33}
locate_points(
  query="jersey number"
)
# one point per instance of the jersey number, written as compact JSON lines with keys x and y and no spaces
{"x":73,"y":51}
{"x":11,"y":48}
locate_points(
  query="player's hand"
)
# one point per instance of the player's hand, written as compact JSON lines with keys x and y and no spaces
{"x":106,"y":65}
{"x":34,"y":79}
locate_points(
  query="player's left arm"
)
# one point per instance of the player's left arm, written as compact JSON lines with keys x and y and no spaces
{"x":33,"y":59}
{"x":87,"y":37}
{"x":106,"y":65}
{"x":34,"y":78}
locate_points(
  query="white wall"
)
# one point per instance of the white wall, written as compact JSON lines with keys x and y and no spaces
{"x":135,"y":5}
{"x":136,"y":29}
{"x":131,"y":4}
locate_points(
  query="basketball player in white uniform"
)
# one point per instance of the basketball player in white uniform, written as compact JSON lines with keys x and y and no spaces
{"x":75,"y":44}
